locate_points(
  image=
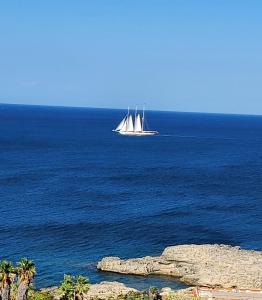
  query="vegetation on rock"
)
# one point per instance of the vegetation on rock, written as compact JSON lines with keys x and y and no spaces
{"x":38,"y":295}
{"x":73,"y":288}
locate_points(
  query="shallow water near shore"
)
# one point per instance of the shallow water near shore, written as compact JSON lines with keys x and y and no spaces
{"x":73,"y":192}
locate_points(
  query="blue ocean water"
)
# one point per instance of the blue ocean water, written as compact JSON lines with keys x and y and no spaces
{"x":72,"y":191}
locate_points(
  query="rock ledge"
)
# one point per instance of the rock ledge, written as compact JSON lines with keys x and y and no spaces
{"x":202,"y":265}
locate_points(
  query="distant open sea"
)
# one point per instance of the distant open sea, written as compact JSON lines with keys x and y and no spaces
{"x":72,"y":191}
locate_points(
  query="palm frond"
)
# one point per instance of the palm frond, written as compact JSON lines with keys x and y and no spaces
{"x":7,"y":272}
{"x":26,"y":269}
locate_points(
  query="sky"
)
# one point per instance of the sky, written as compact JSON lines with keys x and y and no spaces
{"x":181,"y":55}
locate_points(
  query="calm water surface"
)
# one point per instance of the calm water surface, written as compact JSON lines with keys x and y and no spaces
{"x":72,"y":191}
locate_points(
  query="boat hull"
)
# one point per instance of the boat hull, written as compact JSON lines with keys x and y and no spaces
{"x":140,"y":133}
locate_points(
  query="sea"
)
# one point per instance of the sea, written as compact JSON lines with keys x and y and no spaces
{"x":72,"y":191}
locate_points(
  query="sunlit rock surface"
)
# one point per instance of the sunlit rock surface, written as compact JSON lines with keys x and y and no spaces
{"x":202,"y":265}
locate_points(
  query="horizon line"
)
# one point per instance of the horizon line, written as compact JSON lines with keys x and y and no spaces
{"x":115,"y":108}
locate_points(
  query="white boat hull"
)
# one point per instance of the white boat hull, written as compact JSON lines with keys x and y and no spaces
{"x":139,"y":133}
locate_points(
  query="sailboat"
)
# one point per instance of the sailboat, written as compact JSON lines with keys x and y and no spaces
{"x":134,"y":126}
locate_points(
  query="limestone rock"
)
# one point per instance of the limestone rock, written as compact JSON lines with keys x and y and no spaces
{"x":182,"y":294}
{"x":203,"y":265}
{"x":52,"y":290}
{"x":107,"y":290}
{"x":99,"y":291}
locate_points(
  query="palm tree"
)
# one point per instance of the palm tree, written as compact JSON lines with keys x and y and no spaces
{"x":73,"y":288}
{"x":26,"y":272}
{"x":6,"y":276}
{"x":81,"y":286}
{"x":66,"y":290}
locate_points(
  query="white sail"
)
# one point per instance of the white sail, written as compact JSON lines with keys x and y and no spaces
{"x":138,"y":126}
{"x":121,"y":124}
{"x":124,"y":127}
{"x":130,"y":125}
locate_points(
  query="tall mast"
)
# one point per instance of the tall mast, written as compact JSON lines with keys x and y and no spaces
{"x":127,"y":118}
{"x":143,"y":118}
{"x":135,"y":118}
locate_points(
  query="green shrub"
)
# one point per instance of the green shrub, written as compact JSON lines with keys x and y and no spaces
{"x":73,"y":287}
{"x":40,"y":296}
{"x":137,"y":296}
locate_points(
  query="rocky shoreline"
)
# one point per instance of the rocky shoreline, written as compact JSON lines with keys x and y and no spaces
{"x":210,"y":270}
{"x":116,"y":290}
{"x":102,"y":290}
{"x":197,"y":265}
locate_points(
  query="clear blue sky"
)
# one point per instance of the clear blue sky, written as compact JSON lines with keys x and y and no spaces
{"x":183,"y":55}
